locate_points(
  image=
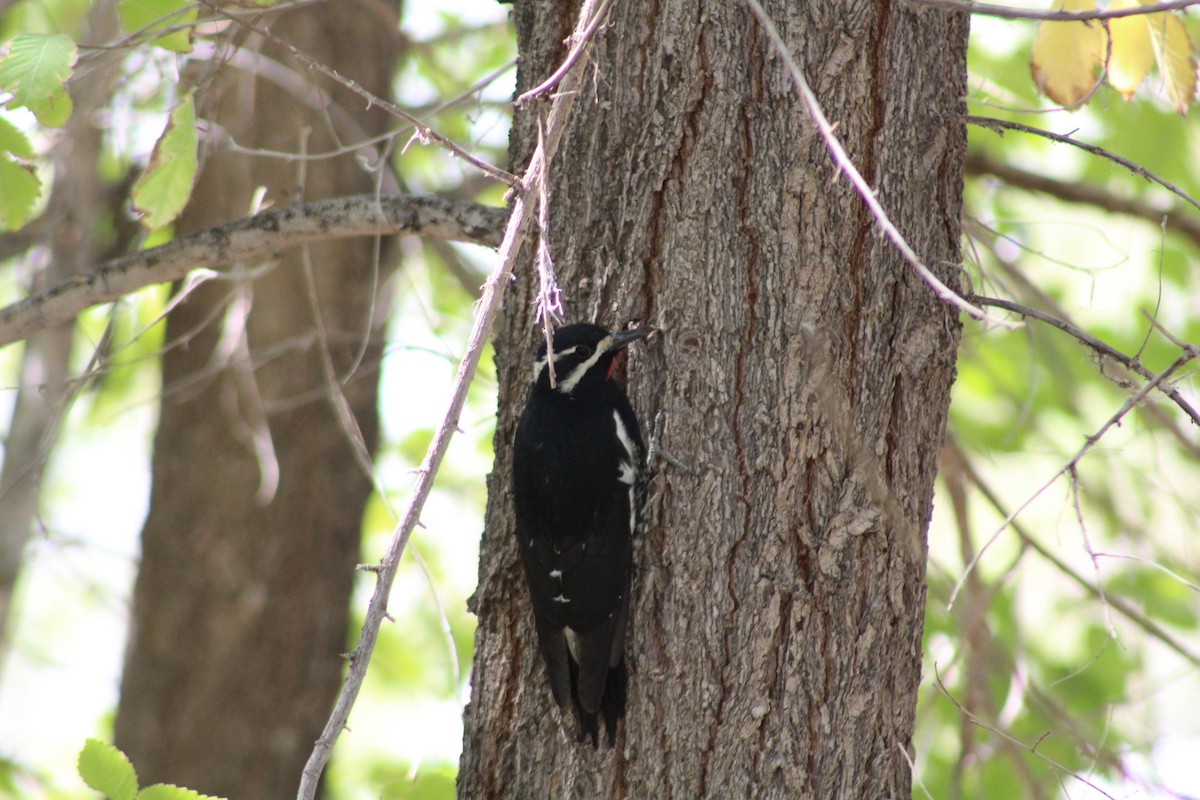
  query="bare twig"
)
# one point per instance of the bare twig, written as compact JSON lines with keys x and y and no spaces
{"x":1188,"y":354}
{"x":1092,"y":342}
{"x":1032,"y":748}
{"x":1009,"y":12}
{"x":579,"y":43}
{"x":247,"y":239}
{"x":519,"y":223}
{"x":424,"y":132}
{"x":1001,"y":125}
{"x":1118,"y":604}
{"x":549,"y":299}
{"x":846,"y":167}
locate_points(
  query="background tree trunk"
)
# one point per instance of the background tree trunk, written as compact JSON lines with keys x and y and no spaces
{"x":78,"y":211}
{"x":241,"y":605}
{"x":803,"y":371}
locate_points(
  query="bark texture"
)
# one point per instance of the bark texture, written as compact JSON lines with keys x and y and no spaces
{"x":803,"y":372}
{"x":240,"y":610}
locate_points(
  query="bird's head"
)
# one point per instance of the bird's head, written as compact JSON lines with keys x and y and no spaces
{"x":584,"y":355}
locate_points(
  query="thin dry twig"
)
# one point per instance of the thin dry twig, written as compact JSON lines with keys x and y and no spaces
{"x":549,"y":299}
{"x":519,"y":223}
{"x":1001,"y":125}
{"x":846,"y":167}
{"x":1118,"y":605}
{"x":1186,"y":356}
{"x":1032,"y":748}
{"x":1091,"y":341}
{"x":579,"y":43}
{"x":1009,"y":12}
{"x":424,"y":132}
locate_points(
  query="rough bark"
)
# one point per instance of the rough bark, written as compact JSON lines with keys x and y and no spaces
{"x":240,"y":609}
{"x":803,"y":372}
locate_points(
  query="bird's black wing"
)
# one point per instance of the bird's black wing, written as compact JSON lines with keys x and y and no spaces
{"x":577,"y":506}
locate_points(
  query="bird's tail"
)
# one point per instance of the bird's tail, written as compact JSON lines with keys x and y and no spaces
{"x":612,"y":705}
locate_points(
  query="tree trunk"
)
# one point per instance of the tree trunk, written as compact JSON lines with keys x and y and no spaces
{"x":240,"y":610}
{"x":802,"y":372}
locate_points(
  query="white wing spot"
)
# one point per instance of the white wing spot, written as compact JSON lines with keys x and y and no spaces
{"x":623,"y":435}
{"x":556,"y":573}
{"x":627,"y":474}
{"x":561,"y":599}
{"x":572,"y":642}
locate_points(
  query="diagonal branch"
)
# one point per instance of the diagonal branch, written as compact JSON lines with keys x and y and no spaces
{"x":1189,"y":353}
{"x":424,"y":132}
{"x":1118,"y":604}
{"x":846,"y":167}
{"x":1187,"y":225}
{"x":248,"y":239}
{"x":1092,"y":342}
{"x":515,"y":235}
{"x":999,"y":126}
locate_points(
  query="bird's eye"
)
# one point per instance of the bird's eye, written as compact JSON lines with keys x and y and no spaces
{"x":583,"y":351}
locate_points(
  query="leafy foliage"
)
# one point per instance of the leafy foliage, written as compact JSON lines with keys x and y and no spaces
{"x":162,"y":191}
{"x":1068,"y":55}
{"x":152,"y":16}
{"x":107,"y":770}
{"x":35,"y":71}
{"x":17,"y":175}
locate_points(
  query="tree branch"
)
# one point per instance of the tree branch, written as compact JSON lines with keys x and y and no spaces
{"x":248,"y":239}
{"x":1009,"y":12}
{"x":1184,"y":224}
{"x":846,"y":166}
{"x":1189,"y":353}
{"x":424,"y":132}
{"x":1092,"y":342}
{"x":1117,"y":603}
{"x":999,"y":126}
{"x":515,"y":234}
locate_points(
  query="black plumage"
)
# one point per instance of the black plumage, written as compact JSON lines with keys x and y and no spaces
{"x":579,"y":483}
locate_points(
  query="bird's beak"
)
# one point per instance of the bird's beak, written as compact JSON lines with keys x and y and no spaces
{"x":622,"y":339}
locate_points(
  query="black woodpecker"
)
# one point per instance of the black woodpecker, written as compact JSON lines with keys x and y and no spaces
{"x":578,"y":482}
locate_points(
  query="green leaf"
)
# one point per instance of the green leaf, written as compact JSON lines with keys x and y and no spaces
{"x":107,"y":770}
{"x":166,"y":791}
{"x":151,"y":15}
{"x":14,"y":141}
{"x":162,"y":191}
{"x":19,"y":183}
{"x":21,"y":188}
{"x":35,"y":70}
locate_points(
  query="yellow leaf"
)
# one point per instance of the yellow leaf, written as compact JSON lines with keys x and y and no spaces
{"x":1173,"y":51}
{"x":1066,"y":55}
{"x":1132,"y":54}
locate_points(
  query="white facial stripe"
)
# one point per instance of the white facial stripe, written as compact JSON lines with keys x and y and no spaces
{"x":541,"y":363}
{"x":577,"y":374}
